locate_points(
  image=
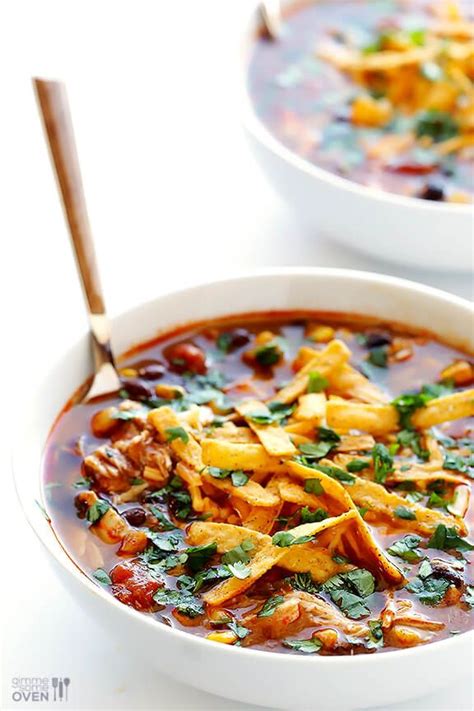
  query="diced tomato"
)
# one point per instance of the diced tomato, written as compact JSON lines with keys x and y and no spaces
{"x":133,"y":586}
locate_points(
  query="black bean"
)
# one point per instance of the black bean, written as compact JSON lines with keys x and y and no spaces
{"x":152,"y":371}
{"x":137,"y":389}
{"x":135,"y":516}
{"x":443,"y":569}
{"x":239,"y":337}
{"x":432,"y":191}
{"x":374,"y":339}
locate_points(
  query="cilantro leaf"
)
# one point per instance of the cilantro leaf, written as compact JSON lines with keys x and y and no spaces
{"x":102,"y":577}
{"x":198,"y":556}
{"x":239,"y":630}
{"x":315,"y":450}
{"x":97,"y":510}
{"x":239,"y":570}
{"x":316,"y":382}
{"x":445,"y":538}
{"x":271,"y":605}
{"x":438,"y":125}
{"x":173,"y":433}
{"x":239,"y":553}
{"x":468,"y":596}
{"x":238,"y":478}
{"x":429,"y":590}
{"x":382,"y":461}
{"x":285,"y":539}
{"x":411,"y":438}
{"x":408,"y":403}
{"x":313,"y":486}
{"x":303,"y":582}
{"x":375,"y":634}
{"x":406,"y":548}
{"x":308,"y":516}
{"x":405,"y":513}
{"x":458,"y":464}
{"x":268,"y":354}
{"x":349,"y":590}
{"x":378,"y":356}
{"x":307,"y":646}
{"x":357,"y":465}
{"x":181,"y":600}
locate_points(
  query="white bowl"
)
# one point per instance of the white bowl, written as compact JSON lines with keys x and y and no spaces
{"x":419,"y":233}
{"x":270,"y":679}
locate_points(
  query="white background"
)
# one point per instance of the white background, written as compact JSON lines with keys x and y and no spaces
{"x":173,"y":196}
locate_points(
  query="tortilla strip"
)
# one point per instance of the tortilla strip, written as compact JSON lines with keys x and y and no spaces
{"x":302,"y":429}
{"x":442,"y":409}
{"x":224,"y":535}
{"x":308,"y":558}
{"x":273,"y":437}
{"x":251,"y":492}
{"x":295,"y":494}
{"x":266,"y":558}
{"x":194,"y":482}
{"x":232,"y":433}
{"x":164,"y":418}
{"x":385,"y":60}
{"x":334,"y":355}
{"x":349,"y":382}
{"x":262,"y":519}
{"x":355,"y":443}
{"x":233,"y":455}
{"x":311,"y":408}
{"x":422,"y":478}
{"x":338,"y":498}
{"x":375,"y":419}
{"x":379,"y":501}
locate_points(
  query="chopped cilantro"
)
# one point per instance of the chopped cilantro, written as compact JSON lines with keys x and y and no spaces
{"x":83,"y":481}
{"x":268,"y":354}
{"x":308,"y":516}
{"x":405,"y":513}
{"x":335,"y":473}
{"x":457,"y":463}
{"x":285,"y":539}
{"x":97,"y":510}
{"x":103,"y":577}
{"x":198,"y":556}
{"x":445,"y":538}
{"x":271,"y":605}
{"x":375,"y":634}
{"x":378,"y":356}
{"x":316,"y":382}
{"x":411,"y":438}
{"x":182,"y":600}
{"x":173,"y":433}
{"x":468,"y":596}
{"x":238,"y":478}
{"x":303,"y":582}
{"x":408,"y":403}
{"x":239,"y":570}
{"x":220,"y":572}
{"x":307,"y":646}
{"x":383,"y":462}
{"x":239,"y":553}
{"x":349,"y":590}
{"x":315,"y":450}
{"x":357,"y":465}
{"x":224,"y":341}
{"x":406,"y":548}
{"x":163,"y":520}
{"x":313,"y":486}
{"x":438,"y":125}
{"x":239,"y":630}
{"x":429,"y":590}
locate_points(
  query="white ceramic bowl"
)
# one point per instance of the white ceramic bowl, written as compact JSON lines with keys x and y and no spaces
{"x":270,"y":679}
{"x":418,"y":233}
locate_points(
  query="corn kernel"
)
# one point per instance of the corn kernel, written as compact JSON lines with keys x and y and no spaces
{"x":224,"y":637}
{"x":321,"y":334}
{"x":128,"y":372}
{"x":169,"y":392}
{"x":461,"y":372}
{"x":367,"y":111}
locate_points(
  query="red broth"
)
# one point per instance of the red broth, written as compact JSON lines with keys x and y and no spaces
{"x":217,"y":366}
{"x":308,"y":103}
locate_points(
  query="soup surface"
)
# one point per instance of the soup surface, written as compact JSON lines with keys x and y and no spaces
{"x":377,"y":91}
{"x":293,"y":482}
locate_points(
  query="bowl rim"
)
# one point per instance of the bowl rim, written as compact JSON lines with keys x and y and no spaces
{"x":52,"y":543}
{"x":258,"y":130}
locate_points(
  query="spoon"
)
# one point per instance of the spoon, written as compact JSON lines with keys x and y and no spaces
{"x":270,"y":13}
{"x":54,"y":108}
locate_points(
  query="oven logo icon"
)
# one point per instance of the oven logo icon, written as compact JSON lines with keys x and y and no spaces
{"x":32,"y":689}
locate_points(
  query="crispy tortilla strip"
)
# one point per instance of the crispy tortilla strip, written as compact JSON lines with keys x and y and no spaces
{"x":422,"y":478}
{"x":382,"y":503}
{"x":295,"y":494}
{"x":360,"y":545}
{"x":233,"y":455}
{"x":333,"y":356}
{"x":311,"y":408}
{"x":375,"y":419}
{"x":163,"y":419}
{"x":308,"y":558}
{"x":262,"y":519}
{"x":194,"y":482}
{"x":266,"y":558}
{"x":442,"y":409}
{"x":347,"y":381}
{"x":355,"y":443}
{"x":251,"y":492}
{"x":383,"y":61}
{"x":232,"y":433}
{"x":273,"y":437}
{"x":301,"y":429}
{"x":225,"y":535}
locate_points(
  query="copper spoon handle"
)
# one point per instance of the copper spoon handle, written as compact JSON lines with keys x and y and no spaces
{"x":54,"y":108}
{"x":270,"y":13}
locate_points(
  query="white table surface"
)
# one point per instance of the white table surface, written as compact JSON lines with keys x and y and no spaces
{"x":174,"y":197}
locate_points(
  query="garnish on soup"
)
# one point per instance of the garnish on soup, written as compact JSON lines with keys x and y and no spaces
{"x":268,"y":482}
{"x":381,"y":92}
